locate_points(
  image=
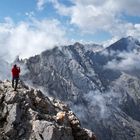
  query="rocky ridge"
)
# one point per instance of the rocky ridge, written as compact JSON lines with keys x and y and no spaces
{"x":27,"y":114}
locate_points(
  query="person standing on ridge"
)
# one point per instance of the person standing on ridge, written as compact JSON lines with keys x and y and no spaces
{"x":15,"y":76}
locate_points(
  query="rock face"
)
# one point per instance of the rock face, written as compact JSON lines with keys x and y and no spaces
{"x":101,"y":87}
{"x":27,"y":114}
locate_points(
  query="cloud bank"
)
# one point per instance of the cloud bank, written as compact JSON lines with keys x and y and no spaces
{"x":29,"y":38}
{"x":130,"y":61}
{"x":91,"y":16}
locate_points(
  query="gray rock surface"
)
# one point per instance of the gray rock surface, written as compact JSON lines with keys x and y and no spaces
{"x":26,"y":114}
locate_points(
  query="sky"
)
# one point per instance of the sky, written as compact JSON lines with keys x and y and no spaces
{"x":28,"y":27}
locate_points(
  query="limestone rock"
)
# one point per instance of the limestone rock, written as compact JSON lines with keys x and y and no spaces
{"x":26,"y":114}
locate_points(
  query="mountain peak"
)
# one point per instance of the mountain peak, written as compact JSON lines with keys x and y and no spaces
{"x":130,"y":38}
{"x":28,"y":114}
{"x":125,"y":44}
{"x":78,"y":44}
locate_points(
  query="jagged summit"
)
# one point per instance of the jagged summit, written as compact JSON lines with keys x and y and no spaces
{"x":78,"y":44}
{"x":27,"y":114}
{"x":125,"y":44}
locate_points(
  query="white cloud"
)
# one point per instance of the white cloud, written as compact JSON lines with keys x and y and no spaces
{"x":30,"y":14}
{"x":102,"y":102}
{"x":134,"y":31}
{"x":29,"y":38}
{"x":130,"y":61}
{"x":98,"y":15}
{"x":130,"y":7}
{"x":40,"y":4}
{"x":123,"y":31}
{"x":110,"y":41}
{"x":86,"y":15}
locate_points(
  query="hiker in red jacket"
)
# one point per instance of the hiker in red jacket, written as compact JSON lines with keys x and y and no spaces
{"x":15,"y":76}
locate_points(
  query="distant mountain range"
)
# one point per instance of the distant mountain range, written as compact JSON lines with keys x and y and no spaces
{"x":101,"y":86}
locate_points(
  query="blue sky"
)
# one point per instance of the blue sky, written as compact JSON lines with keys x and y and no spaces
{"x":56,"y":22}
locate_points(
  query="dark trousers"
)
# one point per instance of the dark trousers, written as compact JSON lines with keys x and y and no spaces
{"x":15,"y":82}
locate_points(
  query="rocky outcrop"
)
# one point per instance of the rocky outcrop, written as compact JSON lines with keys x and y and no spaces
{"x":26,"y":114}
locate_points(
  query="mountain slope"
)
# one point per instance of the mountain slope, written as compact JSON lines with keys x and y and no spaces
{"x":99,"y":90}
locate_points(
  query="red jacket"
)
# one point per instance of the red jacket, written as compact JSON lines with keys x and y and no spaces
{"x":15,"y":72}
